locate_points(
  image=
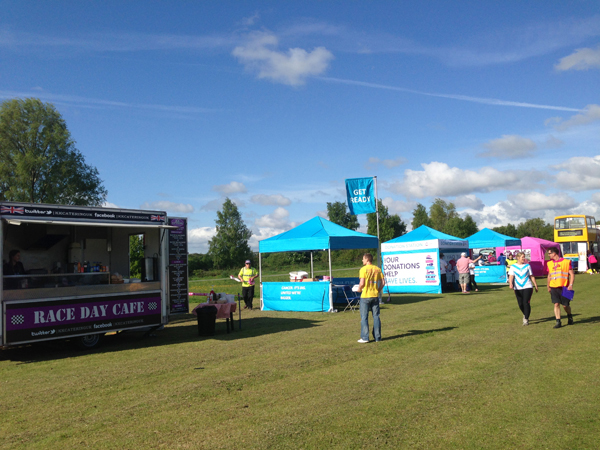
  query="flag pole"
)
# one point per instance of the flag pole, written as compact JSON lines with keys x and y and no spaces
{"x":378,"y":240}
{"x":377,"y":215}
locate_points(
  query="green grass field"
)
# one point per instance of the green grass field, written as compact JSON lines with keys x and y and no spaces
{"x":453,"y":371}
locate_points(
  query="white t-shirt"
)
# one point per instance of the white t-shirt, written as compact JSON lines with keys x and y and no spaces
{"x":521,"y":272}
{"x":443,"y":266}
{"x":472,"y":268}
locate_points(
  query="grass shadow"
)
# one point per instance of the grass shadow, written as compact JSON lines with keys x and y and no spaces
{"x":552,"y":319}
{"x":595,"y":319}
{"x":410,"y":333}
{"x":186,"y":330}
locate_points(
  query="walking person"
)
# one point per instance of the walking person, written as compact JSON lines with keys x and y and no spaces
{"x":371,"y":284}
{"x":246,"y":276}
{"x":560,"y":277}
{"x":443,"y":270}
{"x":462,"y":265}
{"x":472,"y":282}
{"x":521,"y":279}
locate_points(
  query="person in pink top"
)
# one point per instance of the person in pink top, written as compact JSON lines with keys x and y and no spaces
{"x":462,"y":265}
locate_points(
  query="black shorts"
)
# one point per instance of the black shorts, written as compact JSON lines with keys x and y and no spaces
{"x":556,"y":296}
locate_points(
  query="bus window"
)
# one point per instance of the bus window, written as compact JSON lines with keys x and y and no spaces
{"x":568,"y":248}
{"x":589,"y":222}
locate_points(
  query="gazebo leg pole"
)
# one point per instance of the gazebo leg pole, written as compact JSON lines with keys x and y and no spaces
{"x":330,"y":280}
{"x":260,"y":278}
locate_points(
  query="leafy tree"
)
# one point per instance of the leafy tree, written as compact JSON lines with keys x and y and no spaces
{"x":229,"y":247}
{"x":199,"y":261}
{"x":390,"y":226}
{"x":420,"y":217}
{"x":337,"y":212}
{"x":38,"y":159}
{"x":440,"y":213}
{"x":507,"y":230}
{"x":136,"y":255}
{"x":461,"y":228}
{"x":535,"y":228}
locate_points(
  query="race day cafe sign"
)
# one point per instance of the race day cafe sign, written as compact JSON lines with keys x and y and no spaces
{"x":414,"y":266}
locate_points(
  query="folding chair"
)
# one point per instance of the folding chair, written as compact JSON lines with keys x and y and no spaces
{"x":353,"y":298}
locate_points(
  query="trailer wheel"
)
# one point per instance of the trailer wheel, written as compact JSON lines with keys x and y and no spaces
{"x":88,"y":341}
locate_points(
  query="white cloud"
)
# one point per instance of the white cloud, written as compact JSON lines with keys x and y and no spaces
{"x":198,"y":239}
{"x":260,"y":55}
{"x":596,"y":198}
{"x":275,"y":200}
{"x":468,"y":201}
{"x":398,"y":206}
{"x":389,"y":163}
{"x":466,"y":98}
{"x":509,"y":147}
{"x":536,"y":201}
{"x":438,"y":179}
{"x":217,"y":204}
{"x":234,"y":187}
{"x":109,"y":205}
{"x":553,"y":142}
{"x":322,"y":213}
{"x":277,"y":219}
{"x":165,"y":205}
{"x":581,"y":59}
{"x":87,"y":102}
{"x":591,"y":113}
{"x":590,"y":208}
{"x":580,"y":173}
{"x":505,"y":212}
{"x":270,"y":225}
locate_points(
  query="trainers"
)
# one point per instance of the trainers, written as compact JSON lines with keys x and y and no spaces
{"x":558,"y":324}
{"x":525,"y":321}
{"x":362,"y":341}
{"x":570,"y":321}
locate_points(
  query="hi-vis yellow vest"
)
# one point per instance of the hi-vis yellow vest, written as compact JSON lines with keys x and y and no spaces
{"x":245,"y":275}
{"x":559,"y":272}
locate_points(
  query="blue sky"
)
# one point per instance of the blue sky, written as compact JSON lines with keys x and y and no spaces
{"x":493,"y":106}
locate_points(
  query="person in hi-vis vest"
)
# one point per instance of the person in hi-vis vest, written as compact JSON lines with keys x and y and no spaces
{"x":246,"y":276}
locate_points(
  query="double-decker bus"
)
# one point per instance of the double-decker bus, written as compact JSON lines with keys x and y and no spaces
{"x":576,"y":234}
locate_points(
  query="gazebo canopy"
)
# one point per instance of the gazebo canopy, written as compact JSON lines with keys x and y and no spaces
{"x":423,"y":237}
{"x":487,"y":238}
{"x":317,"y":234}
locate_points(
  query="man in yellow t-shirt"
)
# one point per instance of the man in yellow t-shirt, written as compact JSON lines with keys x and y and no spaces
{"x":371,"y":284}
{"x":560,"y":275}
{"x":246,"y":276}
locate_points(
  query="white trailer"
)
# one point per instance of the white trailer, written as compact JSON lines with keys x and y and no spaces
{"x":71,"y":256}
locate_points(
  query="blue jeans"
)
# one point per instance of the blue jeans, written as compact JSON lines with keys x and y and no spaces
{"x":366,"y":305}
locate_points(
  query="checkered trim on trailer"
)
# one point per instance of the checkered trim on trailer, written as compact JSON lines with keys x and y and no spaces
{"x":17,"y":319}
{"x":152,"y":306}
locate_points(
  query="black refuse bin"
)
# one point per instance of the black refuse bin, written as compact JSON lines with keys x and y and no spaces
{"x":207,"y":316}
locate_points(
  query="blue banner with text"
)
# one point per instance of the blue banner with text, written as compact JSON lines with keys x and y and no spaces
{"x":361,"y":195}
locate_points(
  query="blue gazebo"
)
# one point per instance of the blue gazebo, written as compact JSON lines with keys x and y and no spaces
{"x":411,"y":263}
{"x":487,"y":238}
{"x":317,"y":234}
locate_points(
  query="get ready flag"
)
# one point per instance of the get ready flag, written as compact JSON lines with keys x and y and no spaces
{"x":361,"y":195}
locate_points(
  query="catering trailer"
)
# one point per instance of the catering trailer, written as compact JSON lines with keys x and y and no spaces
{"x":66,"y":272}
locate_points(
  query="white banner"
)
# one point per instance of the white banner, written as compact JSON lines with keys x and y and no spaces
{"x":414,"y":245}
{"x":582,"y":251}
{"x":415,"y":269}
